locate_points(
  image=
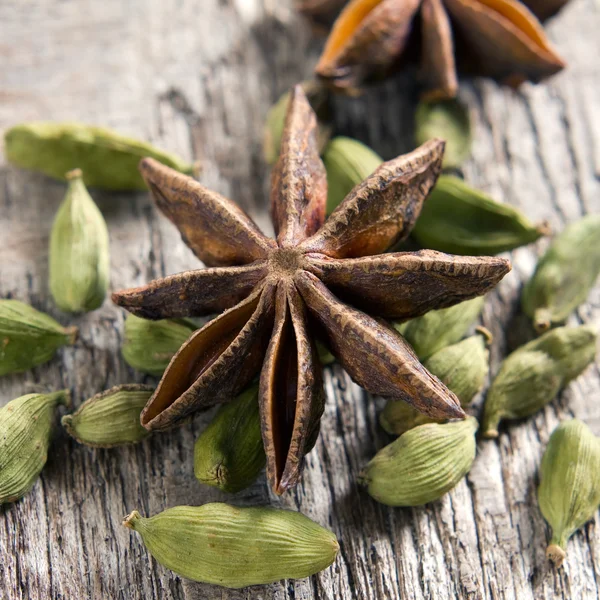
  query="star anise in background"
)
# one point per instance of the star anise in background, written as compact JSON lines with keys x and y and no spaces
{"x":316,"y":278}
{"x":496,"y":38}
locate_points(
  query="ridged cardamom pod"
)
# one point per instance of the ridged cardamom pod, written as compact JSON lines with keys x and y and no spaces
{"x":461,"y":220}
{"x":348,"y":162}
{"x":108,"y":159}
{"x":532,"y":375}
{"x":79,"y":251}
{"x":229,"y":454}
{"x":25,"y":432}
{"x":440,"y":328}
{"x":422,"y":464}
{"x":569,"y":491}
{"x":565,"y":275}
{"x":111,"y":418}
{"x":29,"y":337}
{"x":149,"y":346}
{"x":463,"y":367}
{"x":236,"y":547}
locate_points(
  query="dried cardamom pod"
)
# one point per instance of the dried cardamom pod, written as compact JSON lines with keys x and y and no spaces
{"x":25,"y":432}
{"x":440,"y":328}
{"x":111,"y":418}
{"x":569,"y":492}
{"x":532,"y":375}
{"x":463,"y":367}
{"x":108,"y":159}
{"x":348,"y":162}
{"x":29,"y":337}
{"x":229,"y":454}
{"x":422,"y":464}
{"x":79,"y":251}
{"x":565,"y":275}
{"x":236,"y":547}
{"x":462,"y":220}
{"x":149,"y":346}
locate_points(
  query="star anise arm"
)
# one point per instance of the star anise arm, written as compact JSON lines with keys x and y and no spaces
{"x":375,"y":355}
{"x":192,"y":293}
{"x":381,"y":210}
{"x":543,"y":9}
{"x":217,"y":230}
{"x":291,"y":392}
{"x":404,"y":285}
{"x":216,"y":363}
{"x":299,"y":181}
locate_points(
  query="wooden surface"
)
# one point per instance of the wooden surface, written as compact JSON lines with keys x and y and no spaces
{"x":196,"y":77}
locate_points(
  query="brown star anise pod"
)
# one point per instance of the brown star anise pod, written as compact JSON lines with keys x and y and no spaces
{"x":498,"y":38}
{"x":317,"y":278}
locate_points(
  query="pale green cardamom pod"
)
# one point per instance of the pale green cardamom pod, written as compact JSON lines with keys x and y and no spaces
{"x":25,"y":432}
{"x":463,"y":367}
{"x":324,"y":354}
{"x":149,"y":346}
{"x":108,"y":159}
{"x":462,"y":220}
{"x":422,"y":464}
{"x":569,"y":491}
{"x":236,"y":547}
{"x":565,"y":274}
{"x":29,"y":337}
{"x":532,"y":375}
{"x":440,"y":328}
{"x":111,"y":418}
{"x":229,"y":454}
{"x":347,"y":162}
{"x":79,"y":251}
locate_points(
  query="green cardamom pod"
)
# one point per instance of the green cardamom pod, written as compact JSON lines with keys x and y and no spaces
{"x":461,"y":220}
{"x":29,"y":337}
{"x":462,"y":367}
{"x":25,"y":432}
{"x":422,"y":464}
{"x":108,"y":159}
{"x":324,"y":354}
{"x":569,"y":491}
{"x":532,"y":375}
{"x":149,"y":346}
{"x":565,"y":274}
{"x":229,"y":454}
{"x":347,"y":162}
{"x":440,"y":328}
{"x":79,"y":251}
{"x":111,"y":418}
{"x":236,"y":547}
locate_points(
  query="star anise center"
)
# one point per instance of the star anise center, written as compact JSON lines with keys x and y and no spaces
{"x":284,"y":263}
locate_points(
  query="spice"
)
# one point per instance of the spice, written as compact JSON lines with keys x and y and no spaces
{"x":274,"y":284}
{"x":320,"y":11}
{"x":25,"y":432}
{"x":565,"y":275}
{"x":111,"y":418}
{"x":236,"y":547}
{"x":29,"y":337}
{"x":544,"y":8}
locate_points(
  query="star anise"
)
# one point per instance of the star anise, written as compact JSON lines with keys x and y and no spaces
{"x":498,"y":38}
{"x":315,"y":279}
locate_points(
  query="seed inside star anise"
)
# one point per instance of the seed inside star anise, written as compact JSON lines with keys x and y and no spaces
{"x":318,"y":278}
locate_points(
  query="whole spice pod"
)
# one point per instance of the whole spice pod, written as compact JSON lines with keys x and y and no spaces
{"x":423,"y":464}
{"x":111,"y":418}
{"x":108,"y":159}
{"x":29,"y":337}
{"x":229,"y":454}
{"x":569,"y":491}
{"x":532,"y":375}
{"x":79,"y":260}
{"x":25,"y":432}
{"x":565,"y":274}
{"x":544,"y":8}
{"x":149,"y":346}
{"x":462,"y":220}
{"x":236,"y":547}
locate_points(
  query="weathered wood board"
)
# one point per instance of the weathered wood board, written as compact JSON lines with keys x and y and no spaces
{"x":197,"y":77}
